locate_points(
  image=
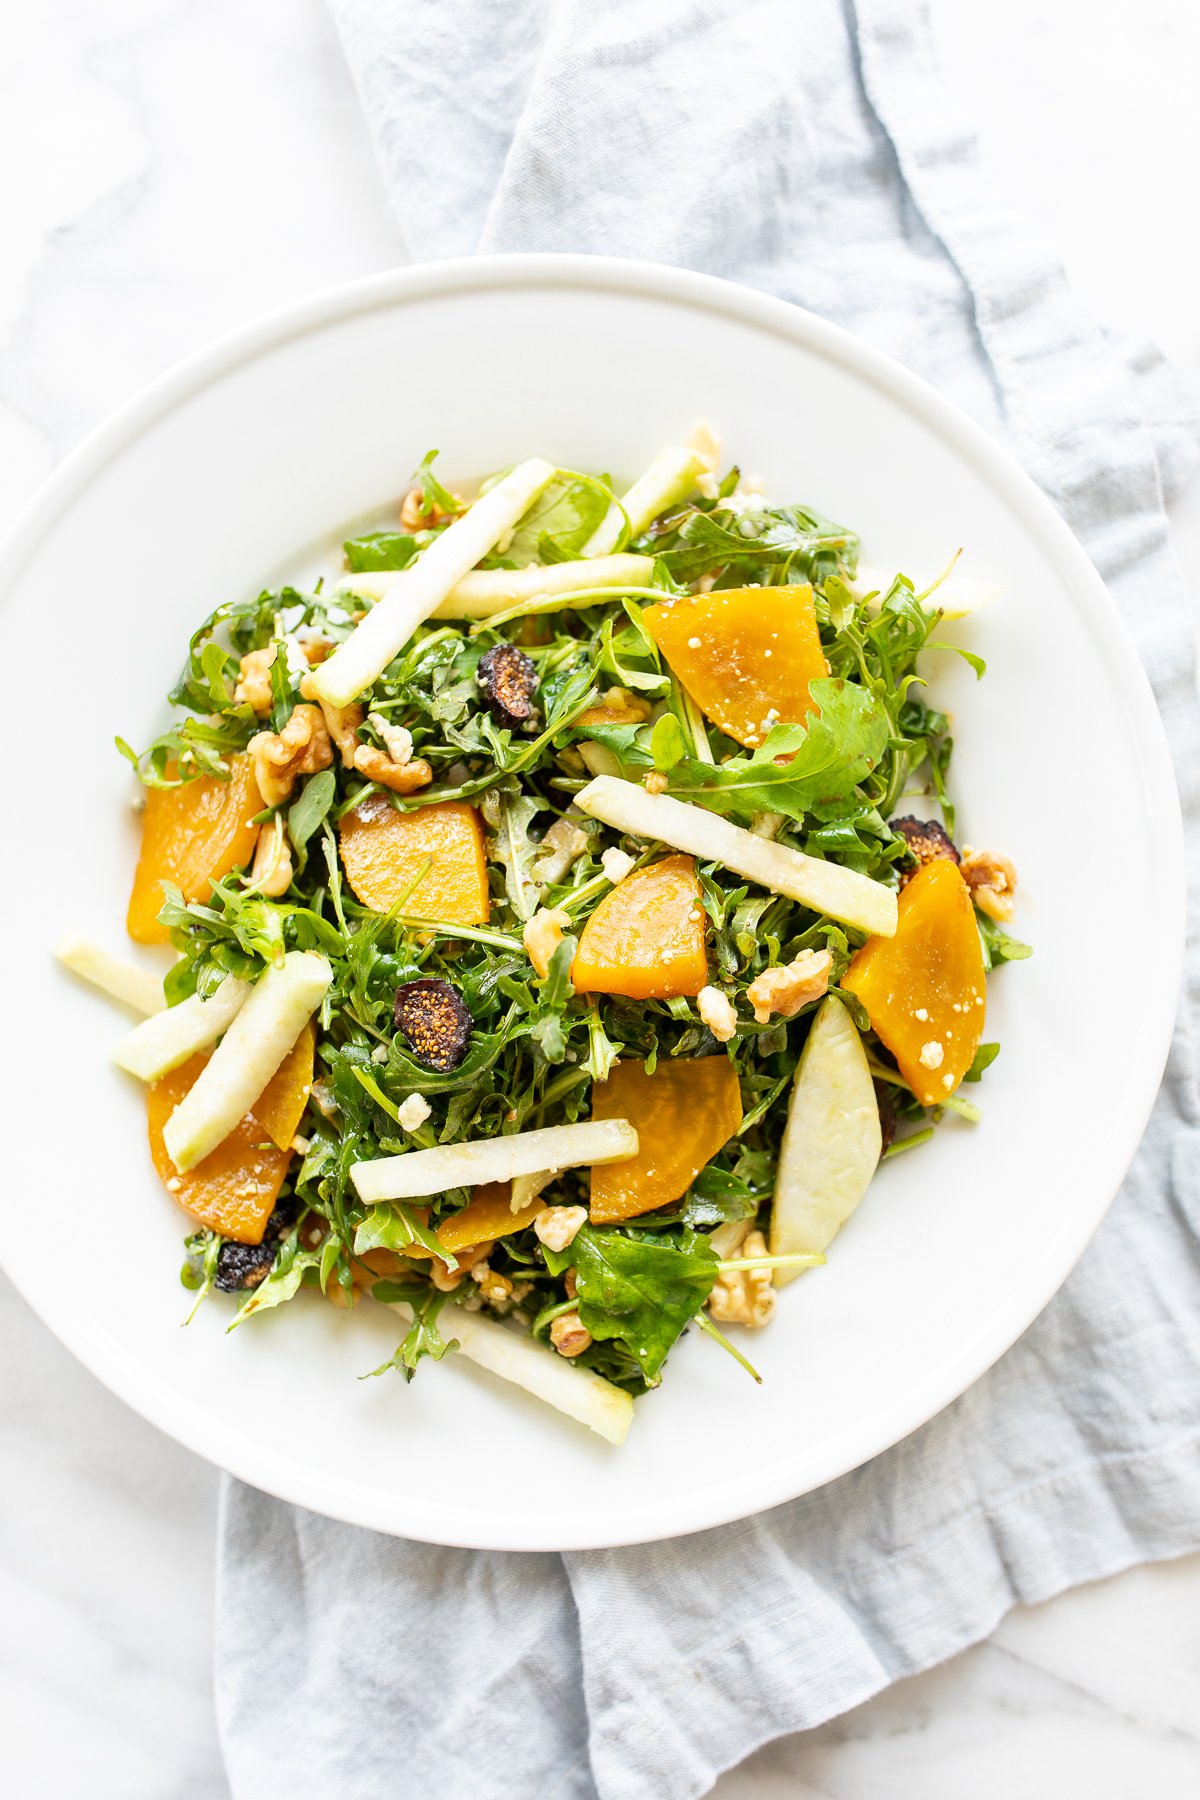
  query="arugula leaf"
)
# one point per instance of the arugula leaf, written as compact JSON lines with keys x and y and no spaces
{"x":998,"y":947}
{"x":306,"y":812}
{"x":802,"y":542}
{"x":281,"y":1284}
{"x":380,"y":550}
{"x":641,"y":1292}
{"x":983,"y":1059}
{"x":432,"y":493}
{"x":423,"y":1337}
{"x":825,"y":760}
{"x":396,"y":1227}
{"x":560,"y":521}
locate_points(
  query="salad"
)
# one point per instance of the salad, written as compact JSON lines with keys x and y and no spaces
{"x":562,"y":933}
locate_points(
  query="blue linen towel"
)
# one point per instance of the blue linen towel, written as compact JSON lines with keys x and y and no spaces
{"x":811,"y":151}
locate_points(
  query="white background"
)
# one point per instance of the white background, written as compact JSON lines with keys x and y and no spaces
{"x":170,"y":170}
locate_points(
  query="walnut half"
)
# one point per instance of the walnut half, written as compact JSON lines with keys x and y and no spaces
{"x":786,"y":990}
{"x":744,"y":1296}
{"x":301,"y":748}
{"x":992,"y":880}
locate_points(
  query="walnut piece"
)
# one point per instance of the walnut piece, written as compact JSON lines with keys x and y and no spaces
{"x":542,"y":936}
{"x":394,"y":768}
{"x":271,"y":871}
{"x":787,"y":989}
{"x":569,"y":1335}
{"x":633,"y":709}
{"x":744,"y":1296}
{"x":655,"y":782}
{"x":301,"y":748}
{"x":402,"y":778}
{"x":992,"y":880}
{"x":445,"y":1280}
{"x":417,"y":515}
{"x":494,"y":1287}
{"x":717,"y":1011}
{"x":254,"y":680}
{"x":341,"y":722}
{"x":558,"y":1226}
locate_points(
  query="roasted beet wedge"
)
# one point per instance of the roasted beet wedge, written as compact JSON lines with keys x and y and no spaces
{"x":926,"y":840}
{"x":434,"y":1023}
{"x":509,"y":681}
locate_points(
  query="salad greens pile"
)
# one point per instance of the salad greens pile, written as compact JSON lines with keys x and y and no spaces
{"x":827,"y":787}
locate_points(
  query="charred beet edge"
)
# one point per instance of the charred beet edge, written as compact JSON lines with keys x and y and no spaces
{"x":926,"y":841}
{"x":509,"y":681}
{"x":434,"y":1023}
{"x":243,"y":1265}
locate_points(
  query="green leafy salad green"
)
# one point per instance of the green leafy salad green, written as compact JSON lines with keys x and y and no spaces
{"x":573,"y":829}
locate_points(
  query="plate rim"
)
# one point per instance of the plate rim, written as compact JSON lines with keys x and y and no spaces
{"x":133,"y":1380}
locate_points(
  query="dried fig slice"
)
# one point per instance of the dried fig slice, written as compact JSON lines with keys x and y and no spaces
{"x":509,"y":681}
{"x":434,"y":1023}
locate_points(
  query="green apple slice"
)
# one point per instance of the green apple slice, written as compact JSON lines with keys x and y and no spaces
{"x":826,"y":887}
{"x":419,"y":590}
{"x":166,"y":1039}
{"x":483,"y":592}
{"x":831,"y":1143}
{"x":262,"y":1031}
{"x":670,"y":478}
{"x":516,"y":1357}
{"x":140,"y":989}
{"x":416,"y":1173}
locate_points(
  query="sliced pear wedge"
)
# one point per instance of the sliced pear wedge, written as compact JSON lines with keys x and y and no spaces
{"x":831,"y":1143}
{"x":580,"y":1393}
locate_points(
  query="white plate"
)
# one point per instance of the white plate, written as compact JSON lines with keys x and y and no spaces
{"x":225,"y":474}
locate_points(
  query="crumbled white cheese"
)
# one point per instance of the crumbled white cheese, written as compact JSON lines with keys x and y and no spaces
{"x":693,"y":643}
{"x":397,"y":739}
{"x":718,"y":1013}
{"x":616,"y":864}
{"x":379,"y":1054}
{"x":931,"y":1055}
{"x":557,"y":1226}
{"x":414,"y":1112}
{"x":921,"y":1013}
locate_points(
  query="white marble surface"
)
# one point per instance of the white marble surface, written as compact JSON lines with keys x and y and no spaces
{"x":170,"y":170}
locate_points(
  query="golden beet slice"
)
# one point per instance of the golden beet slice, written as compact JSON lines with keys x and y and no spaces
{"x":745,"y":655}
{"x":646,"y":937}
{"x":235,"y":1188}
{"x":488,"y":1215}
{"x":683,"y":1114}
{"x":924,"y":989}
{"x":383,"y":851}
{"x":280,"y":1107}
{"x":192,"y":835}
